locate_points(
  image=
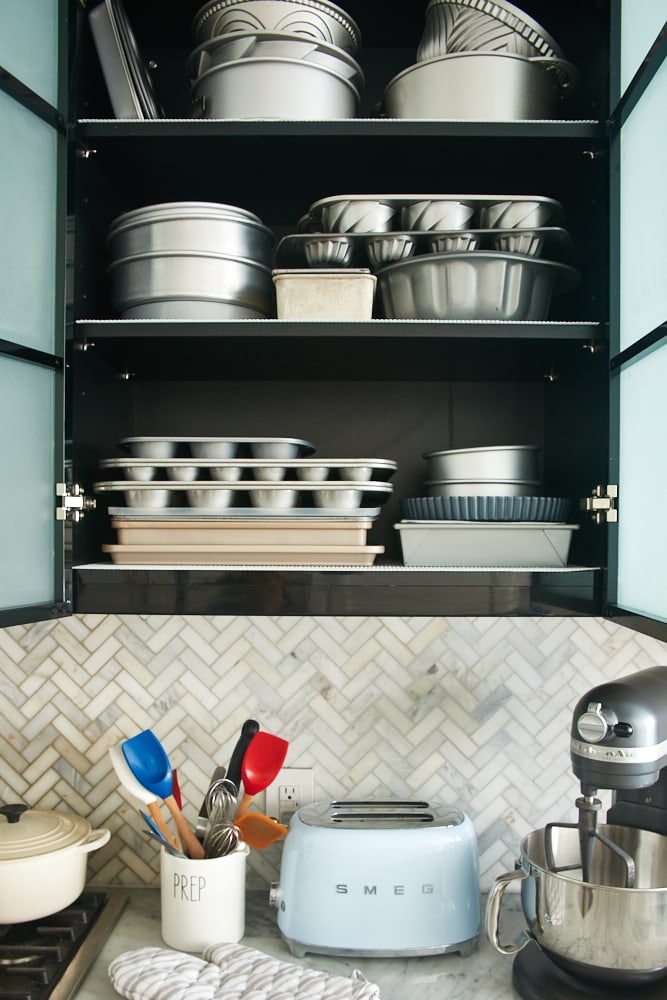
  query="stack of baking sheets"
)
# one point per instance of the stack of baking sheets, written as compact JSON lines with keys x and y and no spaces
{"x":183,"y":509}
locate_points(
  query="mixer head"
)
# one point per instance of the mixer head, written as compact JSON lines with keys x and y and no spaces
{"x":619,"y":732}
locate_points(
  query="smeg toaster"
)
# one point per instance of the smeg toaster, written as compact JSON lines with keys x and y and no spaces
{"x":379,"y":878}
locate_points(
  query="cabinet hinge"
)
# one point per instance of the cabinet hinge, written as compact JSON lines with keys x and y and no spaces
{"x":73,"y":502}
{"x":602,"y":503}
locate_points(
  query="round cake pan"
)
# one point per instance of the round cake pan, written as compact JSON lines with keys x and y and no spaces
{"x":496,"y":462}
{"x":479,"y":86}
{"x":481,"y":488}
{"x":170,"y":276}
{"x":273,"y":88}
{"x":318,"y":19}
{"x":196,"y":231}
{"x":472,"y":286}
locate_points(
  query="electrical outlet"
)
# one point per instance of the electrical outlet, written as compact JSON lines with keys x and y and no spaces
{"x":292,"y":788}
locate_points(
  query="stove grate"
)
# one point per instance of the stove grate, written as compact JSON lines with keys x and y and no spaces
{"x":47,"y":959}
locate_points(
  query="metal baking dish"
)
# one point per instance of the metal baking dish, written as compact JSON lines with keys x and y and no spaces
{"x":192,"y":227}
{"x":238,"y":532}
{"x":244,"y":555}
{"x":216,"y":447}
{"x":357,"y":470}
{"x":129,"y":86}
{"x":304,"y":515}
{"x":474,"y":25}
{"x":448,"y":544}
{"x":518,"y":461}
{"x":271,"y":87}
{"x":483,"y":285}
{"x":284,"y":495}
{"x":234,"y":286}
{"x":358,"y":249}
{"x":324,"y":294}
{"x":480,"y":86}
{"x":313,"y":220}
{"x":485,"y":508}
{"x":482,"y":487}
{"x":317,"y":19}
{"x":256,"y":44}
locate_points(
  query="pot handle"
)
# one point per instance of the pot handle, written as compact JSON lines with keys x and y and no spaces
{"x":493,"y":914}
{"x":95,"y":839}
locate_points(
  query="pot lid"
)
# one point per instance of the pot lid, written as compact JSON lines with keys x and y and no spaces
{"x":30,"y":833}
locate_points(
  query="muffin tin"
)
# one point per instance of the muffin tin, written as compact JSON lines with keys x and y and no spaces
{"x":216,"y":447}
{"x":284,"y":495}
{"x":378,"y":249}
{"x":358,"y":470}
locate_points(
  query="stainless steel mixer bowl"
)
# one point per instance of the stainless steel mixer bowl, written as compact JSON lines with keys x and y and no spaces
{"x":480,"y":86}
{"x":596,"y":930}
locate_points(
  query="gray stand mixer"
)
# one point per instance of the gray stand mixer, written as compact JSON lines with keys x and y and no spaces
{"x":595,"y":896}
{"x":619,"y":741}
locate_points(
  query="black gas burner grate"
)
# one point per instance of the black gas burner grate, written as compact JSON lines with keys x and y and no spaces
{"x":47,"y":959}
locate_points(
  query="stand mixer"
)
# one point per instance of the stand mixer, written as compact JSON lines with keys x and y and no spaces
{"x":619,"y":743}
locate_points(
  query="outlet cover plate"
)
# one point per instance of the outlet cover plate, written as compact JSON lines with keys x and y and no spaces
{"x":297,"y":777}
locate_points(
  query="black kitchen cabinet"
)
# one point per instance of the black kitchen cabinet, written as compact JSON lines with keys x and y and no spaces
{"x":386,"y":388}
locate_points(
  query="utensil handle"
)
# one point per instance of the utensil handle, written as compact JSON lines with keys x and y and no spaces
{"x":158,"y":819}
{"x":249,"y":729}
{"x":192,"y":845}
{"x":243,"y":805}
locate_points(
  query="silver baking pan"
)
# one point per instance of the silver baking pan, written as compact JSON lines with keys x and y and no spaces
{"x":539,"y":210}
{"x":216,"y":447}
{"x":376,"y":249}
{"x":352,"y":469}
{"x":483,"y":285}
{"x":304,"y":515}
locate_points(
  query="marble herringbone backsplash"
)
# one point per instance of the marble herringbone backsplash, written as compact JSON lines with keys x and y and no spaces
{"x":469,"y":711}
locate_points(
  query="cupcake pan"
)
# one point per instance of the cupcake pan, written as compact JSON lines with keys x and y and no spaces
{"x":285,"y":495}
{"x":357,"y":470}
{"x":375,"y":250}
{"x":215,"y":447}
{"x":485,"y":508}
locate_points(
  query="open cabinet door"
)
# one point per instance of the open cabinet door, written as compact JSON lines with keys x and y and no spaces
{"x":638,"y":558}
{"x":32,"y":307}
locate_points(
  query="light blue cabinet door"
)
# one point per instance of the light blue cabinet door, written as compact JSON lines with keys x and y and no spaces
{"x":32,"y":318}
{"x":639,"y":316}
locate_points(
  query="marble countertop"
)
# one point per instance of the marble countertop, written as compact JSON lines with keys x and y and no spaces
{"x":484,"y":975}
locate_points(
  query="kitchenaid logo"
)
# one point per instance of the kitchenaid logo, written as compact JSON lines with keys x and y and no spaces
{"x":396,"y":889}
{"x":621,"y":755}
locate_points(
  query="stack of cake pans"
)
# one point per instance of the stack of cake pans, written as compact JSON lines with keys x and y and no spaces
{"x":483,"y":508}
{"x":190,"y":260}
{"x":481,"y":61}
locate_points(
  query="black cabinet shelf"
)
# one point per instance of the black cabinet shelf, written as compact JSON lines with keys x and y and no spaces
{"x":376,"y":591}
{"x":399,"y":128}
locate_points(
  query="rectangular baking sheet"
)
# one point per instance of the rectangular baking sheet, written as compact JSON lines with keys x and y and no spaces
{"x":250,"y":532}
{"x":244,"y":555}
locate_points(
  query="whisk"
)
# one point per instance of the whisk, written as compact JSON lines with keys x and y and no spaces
{"x":221,"y":835}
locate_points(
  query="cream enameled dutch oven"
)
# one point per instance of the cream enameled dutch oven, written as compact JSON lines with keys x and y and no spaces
{"x":43,"y":855}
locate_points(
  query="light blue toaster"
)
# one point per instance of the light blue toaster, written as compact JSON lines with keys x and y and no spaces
{"x":379,"y":878}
